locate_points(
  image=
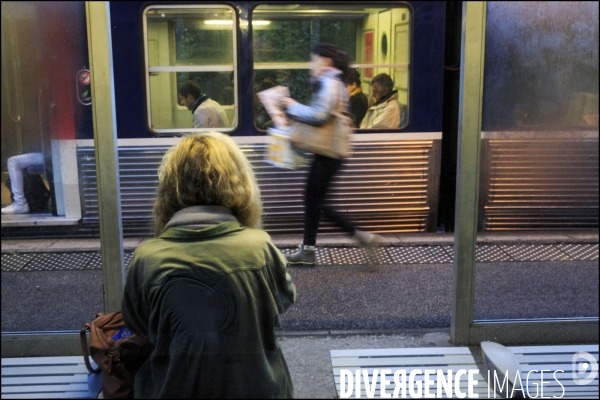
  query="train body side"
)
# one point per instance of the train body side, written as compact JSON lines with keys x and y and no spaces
{"x":390,"y":184}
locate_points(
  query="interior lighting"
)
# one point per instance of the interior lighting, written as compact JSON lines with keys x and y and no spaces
{"x":229,"y":22}
{"x":218,"y":22}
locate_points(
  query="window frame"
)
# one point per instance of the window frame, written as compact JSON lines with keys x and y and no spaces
{"x":392,"y":66}
{"x":148,"y":70}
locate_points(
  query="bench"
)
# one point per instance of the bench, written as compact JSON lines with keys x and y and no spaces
{"x":530,"y":358}
{"x":553,"y":358}
{"x":408,"y":359}
{"x":44,"y":378}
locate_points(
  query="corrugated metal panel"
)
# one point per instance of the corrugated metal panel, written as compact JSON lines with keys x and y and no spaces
{"x":384,"y":187}
{"x":540,"y":184}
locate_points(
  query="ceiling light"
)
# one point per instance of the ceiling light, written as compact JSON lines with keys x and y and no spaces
{"x":218,"y":22}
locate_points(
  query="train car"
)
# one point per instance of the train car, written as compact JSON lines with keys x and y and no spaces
{"x":397,"y":180}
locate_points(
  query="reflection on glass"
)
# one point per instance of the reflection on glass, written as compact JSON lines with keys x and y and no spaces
{"x":45,"y":110}
{"x":539,"y":164}
{"x":200,"y":44}
{"x":541,"y":65}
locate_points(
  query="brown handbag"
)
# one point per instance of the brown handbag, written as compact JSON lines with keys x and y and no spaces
{"x":331,"y":139}
{"x":118,"y":359}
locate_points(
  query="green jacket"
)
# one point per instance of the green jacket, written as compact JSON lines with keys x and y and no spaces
{"x":208,"y":293}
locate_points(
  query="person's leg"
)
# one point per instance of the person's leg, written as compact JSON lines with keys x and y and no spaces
{"x":340,"y":219}
{"x":319,"y":177}
{"x":325,"y":169}
{"x":15,"y":165}
{"x":321,"y":171}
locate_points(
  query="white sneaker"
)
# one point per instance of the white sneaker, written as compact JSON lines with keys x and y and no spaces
{"x":367,"y":239}
{"x":16,"y":209}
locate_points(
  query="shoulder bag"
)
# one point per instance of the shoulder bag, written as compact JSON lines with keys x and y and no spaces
{"x":118,"y":353}
{"x":331,"y":139}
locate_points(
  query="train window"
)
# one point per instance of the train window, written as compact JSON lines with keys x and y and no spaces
{"x":377,"y":38}
{"x":190,"y":43}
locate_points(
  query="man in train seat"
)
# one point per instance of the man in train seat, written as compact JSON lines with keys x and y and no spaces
{"x":207,"y":112}
{"x":385,"y":112}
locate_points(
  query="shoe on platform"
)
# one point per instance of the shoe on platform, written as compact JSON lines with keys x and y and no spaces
{"x":305,"y":255}
{"x":16,"y":209}
{"x":367,"y":239}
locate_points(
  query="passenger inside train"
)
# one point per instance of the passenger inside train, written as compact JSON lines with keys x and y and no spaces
{"x":385,"y":112}
{"x":359,"y":103}
{"x":207,"y":112}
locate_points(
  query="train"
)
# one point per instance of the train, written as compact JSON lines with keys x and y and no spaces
{"x":539,"y":143}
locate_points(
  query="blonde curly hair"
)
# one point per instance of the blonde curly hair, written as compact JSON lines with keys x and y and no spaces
{"x":206,"y":169}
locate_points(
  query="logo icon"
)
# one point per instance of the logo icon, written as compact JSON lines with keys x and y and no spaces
{"x":585,"y":368}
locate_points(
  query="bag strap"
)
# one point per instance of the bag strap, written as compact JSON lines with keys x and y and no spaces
{"x":84,"y":348}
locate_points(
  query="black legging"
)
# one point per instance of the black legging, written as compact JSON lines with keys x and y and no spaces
{"x":322,"y":170}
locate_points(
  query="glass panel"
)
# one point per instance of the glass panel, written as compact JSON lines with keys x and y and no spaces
{"x":376,"y":38}
{"x":169,"y":113}
{"x":190,"y":43}
{"x":45,"y":108}
{"x":539,"y":163}
{"x":541,"y":66}
{"x":195,"y":44}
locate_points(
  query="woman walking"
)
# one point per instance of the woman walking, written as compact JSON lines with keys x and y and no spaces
{"x":328,"y":68}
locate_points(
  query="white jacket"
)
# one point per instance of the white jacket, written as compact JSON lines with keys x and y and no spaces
{"x":384,"y":115}
{"x":210,"y":114}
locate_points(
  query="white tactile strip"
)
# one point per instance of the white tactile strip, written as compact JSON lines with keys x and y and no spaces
{"x":491,"y":253}
{"x":581,"y":251}
{"x":355,"y":256}
{"x":532,"y":252}
{"x":15,"y":262}
{"x":96,"y":262}
{"x":349,"y":256}
{"x":420,"y":255}
{"x":58,"y":261}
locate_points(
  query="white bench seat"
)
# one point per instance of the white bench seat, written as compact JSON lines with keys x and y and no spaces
{"x":554,"y":358}
{"x":408,"y":359}
{"x":44,"y":378}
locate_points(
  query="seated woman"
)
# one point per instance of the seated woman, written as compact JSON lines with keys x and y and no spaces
{"x":385,"y":112}
{"x":208,"y":290}
{"x":358,"y":101}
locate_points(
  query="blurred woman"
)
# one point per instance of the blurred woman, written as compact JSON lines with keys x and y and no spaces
{"x":208,"y":290}
{"x":328,"y":68}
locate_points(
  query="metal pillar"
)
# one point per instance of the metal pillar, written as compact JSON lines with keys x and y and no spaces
{"x":467,"y":168}
{"x":107,"y":160}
